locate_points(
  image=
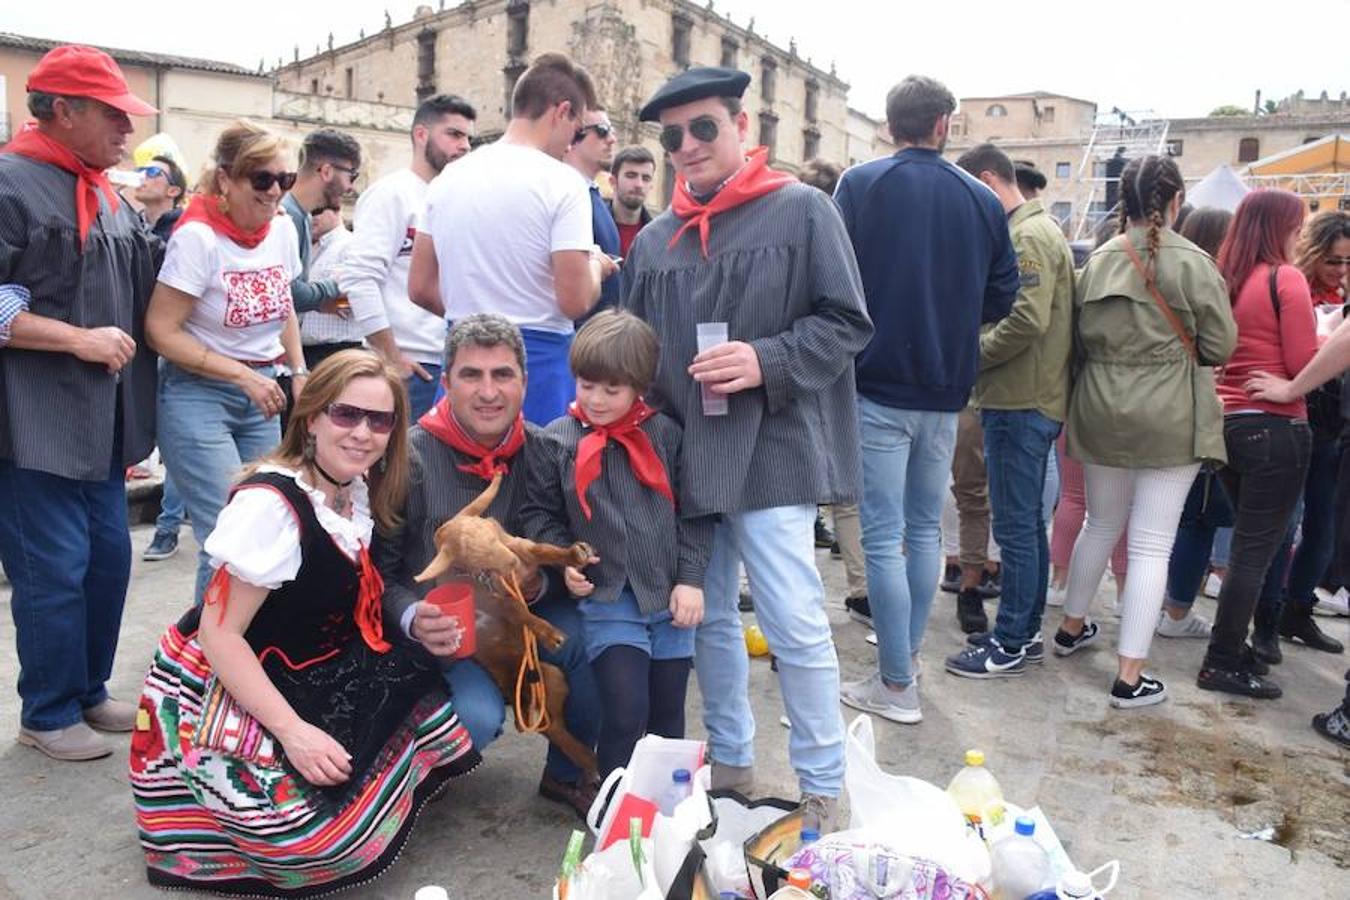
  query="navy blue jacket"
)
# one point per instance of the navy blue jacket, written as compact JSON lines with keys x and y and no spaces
{"x":936,"y":260}
{"x":607,"y":237}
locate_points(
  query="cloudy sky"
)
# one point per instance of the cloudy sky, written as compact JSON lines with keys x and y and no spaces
{"x":1173,"y":57}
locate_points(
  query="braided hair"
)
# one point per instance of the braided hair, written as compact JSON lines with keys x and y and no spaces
{"x":1147,"y":186}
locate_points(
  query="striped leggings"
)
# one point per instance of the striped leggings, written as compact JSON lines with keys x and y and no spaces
{"x":1150,"y":500}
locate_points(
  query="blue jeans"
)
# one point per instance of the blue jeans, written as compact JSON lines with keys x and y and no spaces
{"x":777,"y":546}
{"x":422,"y":394}
{"x":907,"y":458}
{"x":1016,"y":443}
{"x":621,"y":622}
{"x":1206,"y":511}
{"x":551,"y":386}
{"x":67,"y":550}
{"x":480,"y":706}
{"x":1050,"y":496}
{"x":208,"y":430}
{"x":171,"y":510}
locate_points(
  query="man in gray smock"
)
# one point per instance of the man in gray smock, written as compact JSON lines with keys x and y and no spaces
{"x":768,"y":258}
{"x":77,"y":394}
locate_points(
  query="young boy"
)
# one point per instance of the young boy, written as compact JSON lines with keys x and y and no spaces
{"x":611,"y":478}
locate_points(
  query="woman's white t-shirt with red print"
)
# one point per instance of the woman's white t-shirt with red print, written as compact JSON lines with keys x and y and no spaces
{"x":243,"y":295}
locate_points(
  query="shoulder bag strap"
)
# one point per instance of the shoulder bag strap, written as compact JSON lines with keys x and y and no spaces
{"x":1275,"y":292}
{"x":1168,"y":313}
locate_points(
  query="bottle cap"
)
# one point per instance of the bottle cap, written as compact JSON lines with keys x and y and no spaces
{"x":800,"y":878}
{"x":974,"y":757}
{"x":1025,"y":825}
{"x":680,"y":776}
{"x":810,"y":835}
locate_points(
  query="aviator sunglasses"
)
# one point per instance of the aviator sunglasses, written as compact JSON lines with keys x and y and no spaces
{"x":703,"y":128}
{"x":344,"y":415}
{"x":263,"y":181}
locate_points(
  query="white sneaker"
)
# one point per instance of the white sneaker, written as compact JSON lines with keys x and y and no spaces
{"x":1329,"y":604}
{"x":1212,"y":585}
{"x":1190,"y":626}
{"x":1056,"y":595}
{"x":872,"y":696}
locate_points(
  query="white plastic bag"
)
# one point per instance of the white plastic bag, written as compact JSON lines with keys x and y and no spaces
{"x":918,"y":819}
{"x":611,"y":875}
{"x":639,"y":786}
{"x":675,"y":835}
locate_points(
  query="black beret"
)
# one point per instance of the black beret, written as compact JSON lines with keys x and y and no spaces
{"x":695,"y":84}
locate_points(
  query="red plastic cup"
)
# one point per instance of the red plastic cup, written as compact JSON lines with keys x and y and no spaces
{"x":455,"y":598}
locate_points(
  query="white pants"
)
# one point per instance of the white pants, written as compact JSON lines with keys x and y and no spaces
{"x":1151,"y":501}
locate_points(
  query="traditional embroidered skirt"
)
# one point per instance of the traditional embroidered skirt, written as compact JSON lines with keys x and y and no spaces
{"x":218,"y":810}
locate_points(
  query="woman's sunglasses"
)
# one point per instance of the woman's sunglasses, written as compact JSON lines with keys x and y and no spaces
{"x":1337,"y":261}
{"x":344,"y":415}
{"x":153,"y":171}
{"x":704,"y":129}
{"x":263,"y":181}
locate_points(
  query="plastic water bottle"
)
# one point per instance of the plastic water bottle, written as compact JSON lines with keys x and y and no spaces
{"x":681,"y":786}
{"x":808,"y":836}
{"x":1020,"y":866}
{"x":1076,"y":885}
{"x":977,"y":794}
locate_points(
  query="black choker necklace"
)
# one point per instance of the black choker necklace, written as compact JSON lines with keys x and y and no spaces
{"x":331,"y":480}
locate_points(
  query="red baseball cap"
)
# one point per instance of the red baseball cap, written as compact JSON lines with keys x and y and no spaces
{"x":73,"y":70}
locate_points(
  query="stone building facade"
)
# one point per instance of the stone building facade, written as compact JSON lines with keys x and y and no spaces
{"x":479,"y":48}
{"x":1053,"y":132}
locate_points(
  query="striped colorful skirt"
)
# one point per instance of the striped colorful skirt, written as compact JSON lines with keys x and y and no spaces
{"x":218,"y":810}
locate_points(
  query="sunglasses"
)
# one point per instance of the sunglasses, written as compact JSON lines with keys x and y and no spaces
{"x":1337,"y":261}
{"x":263,"y":181}
{"x":153,"y":171}
{"x":602,"y":130}
{"x":351,"y":173}
{"x":344,"y":415}
{"x":703,"y":128}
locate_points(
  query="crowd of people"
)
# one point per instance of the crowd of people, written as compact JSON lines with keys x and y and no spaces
{"x":682,"y":392}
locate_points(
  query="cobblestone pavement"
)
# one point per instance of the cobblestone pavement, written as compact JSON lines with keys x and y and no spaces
{"x":1166,"y":790}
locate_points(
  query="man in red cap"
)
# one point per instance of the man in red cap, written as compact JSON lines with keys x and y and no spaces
{"x":77,"y":394}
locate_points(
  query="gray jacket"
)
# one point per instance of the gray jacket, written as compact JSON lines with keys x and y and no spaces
{"x":781,"y":273}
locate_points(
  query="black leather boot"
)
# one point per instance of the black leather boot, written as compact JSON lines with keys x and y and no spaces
{"x":1265,"y":640}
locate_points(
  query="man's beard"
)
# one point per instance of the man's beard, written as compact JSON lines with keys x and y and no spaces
{"x":630,"y":203}
{"x":437,"y":159}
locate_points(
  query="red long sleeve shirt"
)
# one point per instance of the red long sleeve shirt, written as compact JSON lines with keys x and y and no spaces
{"x":1279,"y":347}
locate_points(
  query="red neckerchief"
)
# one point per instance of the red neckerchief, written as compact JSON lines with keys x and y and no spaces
{"x":89,"y":182}
{"x":647,"y":466}
{"x":755,"y":179}
{"x":206,"y":208}
{"x":440,"y":422}
{"x":1327,"y":297}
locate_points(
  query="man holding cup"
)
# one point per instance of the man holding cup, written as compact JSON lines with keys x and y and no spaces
{"x":750,"y":282}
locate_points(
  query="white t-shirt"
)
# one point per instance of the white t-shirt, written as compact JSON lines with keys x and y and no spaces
{"x":495,"y":218}
{"x":374,"y":272}
{"x":243,"y":295}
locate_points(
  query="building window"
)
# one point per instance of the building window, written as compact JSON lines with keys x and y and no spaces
{"x":996,"y":111}
{"x":1249,"y":150}
{"x":768,"y":132}
{"x":1175,"y":146}
{"x":1047,"y":114}
{"x":1061,"y":210}
{"x":768,"y":71}
{"x":426,"y":63}
{"x":729,"y":50}
{"x":512,"y":74}
{"x":1099,"y":169}
{"x":810,"y":144}
{"x":518,"y":27}
{"x":314,"y":85}
{"x":812,"y":101}
{"x":350,"y":83}
{"x":681,"y":26}
{"x":1063,"y":169}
